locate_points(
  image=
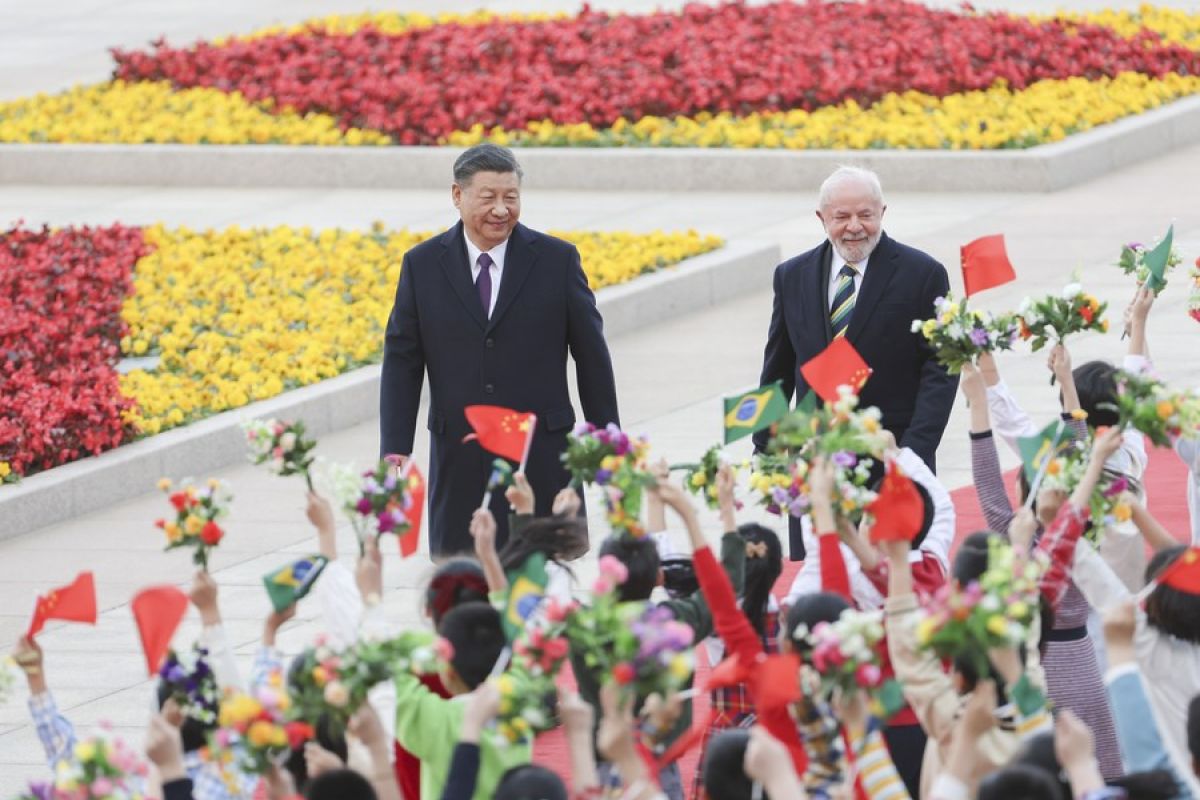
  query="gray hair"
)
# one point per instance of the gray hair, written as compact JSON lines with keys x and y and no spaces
{"x":485,"y":157}
{"x":843,"y":175}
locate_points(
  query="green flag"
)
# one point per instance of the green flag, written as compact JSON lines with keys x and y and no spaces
{"x":751,"y":412}
{"x":1156,"y":261}
{"x":1044,"y":444}
{"x":288,"y":584}
{"x":526,"y":588}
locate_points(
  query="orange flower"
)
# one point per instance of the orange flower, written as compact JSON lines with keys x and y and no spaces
{"x":1165,"y":409}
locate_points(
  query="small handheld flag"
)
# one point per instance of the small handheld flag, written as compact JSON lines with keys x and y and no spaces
{"x":502,"y":431}
{"x":839,"y":364}
{"x":526,"y":588}
{"x":752,"y":411}
{"x":75,"y":602}
{"x":1039,"y":449}
{"x":158,"y":611}
{"x":899,"y":510}
{"x":290,"y":583}
{"x":414,"y":509}
{"x":1156,"y":262}
{"x":985,"y":264}
{"x":1184,"y":573}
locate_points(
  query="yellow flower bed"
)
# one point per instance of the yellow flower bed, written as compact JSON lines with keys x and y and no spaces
{"x":1047,"y":111}
{"x":238,"y":315}
{"x":1173,"y":25}
{"x":392,"y":22}
{"x":153,"y":112}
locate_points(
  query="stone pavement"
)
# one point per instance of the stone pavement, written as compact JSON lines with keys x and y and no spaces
{"x":670,"y":378}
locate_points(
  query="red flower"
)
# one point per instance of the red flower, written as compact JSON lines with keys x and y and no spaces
{"x":211,"y":533}
{"x":180,"y":500}
{"x":1086,"y":312}
{"x":624,"y":673}
{"x":298,"y":733}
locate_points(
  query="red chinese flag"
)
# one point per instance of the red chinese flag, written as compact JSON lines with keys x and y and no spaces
{"x":158,"y":612}
{"x":75,"y":602}
{"x":839,"y":364}
{"x":1184,"y":573}
{"x":777,"y":681}
{"x":985,"y":264}
{"x":501,"y":431}
{"x":899,"y":510}
{"x":416,"y":494}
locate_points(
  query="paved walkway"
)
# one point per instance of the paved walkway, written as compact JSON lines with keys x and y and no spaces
{"x":670,"y":378}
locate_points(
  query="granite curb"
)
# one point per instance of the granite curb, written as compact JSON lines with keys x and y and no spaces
{"x":59,"y":494}
{"x":1045,"y":168}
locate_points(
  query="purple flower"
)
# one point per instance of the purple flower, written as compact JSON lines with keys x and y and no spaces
{"x":386,"y":521}
{"x":390,"y":483}
{"x":780,"y":495}
{"x":1134,"y":245}
{"x":603,"y":476}
{"x":844,"y":458}
{"x":772,"y":508}
{"x":1116,"y":487}
{"x":370,"y":486}
{"x":979,"y":337}
{"x":621,"y":445}
{"x":364,"y":505}
{"x":583,"y":428}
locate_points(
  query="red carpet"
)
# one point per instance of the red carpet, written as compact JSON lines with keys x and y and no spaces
{"x":1166,"y":481}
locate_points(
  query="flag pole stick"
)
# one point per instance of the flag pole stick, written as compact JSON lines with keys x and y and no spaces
{"x":528,"y":441}
{"x":1041,"y":473}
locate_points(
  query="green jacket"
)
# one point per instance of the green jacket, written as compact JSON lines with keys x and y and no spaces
{"x":429,"y":726}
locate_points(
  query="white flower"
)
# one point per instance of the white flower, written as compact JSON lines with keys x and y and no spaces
{"x":1071,"y":290}
{"x":287,"y":441}
{"x":916,"y":325}
{"x":990,"y":603}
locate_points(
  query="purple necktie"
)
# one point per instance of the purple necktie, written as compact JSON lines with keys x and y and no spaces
{"x":484,"y":283}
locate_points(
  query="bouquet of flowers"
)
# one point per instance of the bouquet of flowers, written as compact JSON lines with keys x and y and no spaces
{"x":192,"y":685}
{"x":103,"y":768}
{"x":1056,"y":318}
{"x":1152,"y":407}
{"x":337,"y":683}
{"x":617,"y":463}
{"x":1108,"y":504}
{"x":254,"y":732}
{"x":638,"y":645}
{"x":851,"y":438}
{"x":958,"y":335}
{"x":998,"y":610}
{"x":701,"y":477}
{"x":848,"y":652}
{"x":281,"y":446}
{"x":197,"y":510}
{"x":1133,"y":262}
{"x":377,"y":501}
{"x":527,"y":688}
{"x":1193,"y":302}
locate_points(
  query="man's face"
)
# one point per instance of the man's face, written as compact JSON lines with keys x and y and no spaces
{"x":853,"y":218}
{"x":489,"y":204}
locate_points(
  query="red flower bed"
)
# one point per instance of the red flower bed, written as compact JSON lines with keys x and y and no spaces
{"x":60,"y":331}
{"x":424,"y":84}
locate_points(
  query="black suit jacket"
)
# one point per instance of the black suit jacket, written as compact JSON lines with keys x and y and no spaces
{"x":907,"y":384}
{"x":516,"y":359}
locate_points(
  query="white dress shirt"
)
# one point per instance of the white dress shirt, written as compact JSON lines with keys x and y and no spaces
{"x":496,"y":270}
{"x":835,"y":266}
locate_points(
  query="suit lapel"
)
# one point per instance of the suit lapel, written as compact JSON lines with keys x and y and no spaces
{"x":518,"y":261}
{"x":815,"y":287}
{"x":880,"y":269}
{"x":458,"y":272}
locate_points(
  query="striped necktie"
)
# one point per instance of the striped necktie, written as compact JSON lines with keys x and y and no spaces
{"x":843,"y":301}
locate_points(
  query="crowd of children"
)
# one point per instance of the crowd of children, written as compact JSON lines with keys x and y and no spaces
{"x":1100,"y":699}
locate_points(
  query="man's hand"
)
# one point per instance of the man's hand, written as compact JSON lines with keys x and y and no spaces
{"x":1105,"y":445}
{"x":674,"y":497}
{"x":483,"y":531}
{"x":482,"y":706}
{"x":821,"y":479}
{"x":851,"y":708}
{"x":1059,"y":362}
{"x":369,"y":572}
{"x":1120,"y":623}
{"x":726,"y":483}
{"x":318,"y":760}
{"x":367,"y":727}
{"x":203,"y":595}
{"x":320,"y":514}
{"x":28,"y":655}
{"x":1139,"y":310}
{"x":164,"y":748}
{"x":567,"y":503}
{"x":614,"y":739}
{"x":1022,"y":528}
{"x":520,"y":494}
{"x":274,"y":622}
{"x":577,"y":714}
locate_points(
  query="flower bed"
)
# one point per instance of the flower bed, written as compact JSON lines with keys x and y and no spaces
{"x":778,"y":75}
{"x":233,"y":315}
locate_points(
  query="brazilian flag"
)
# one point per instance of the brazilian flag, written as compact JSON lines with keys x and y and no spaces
{"x":1156,"y":261}
{"x":287,"y":585}
{"x":526,"y":588}
{"x":751,"y":412}
{"x":1054,"y":439}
